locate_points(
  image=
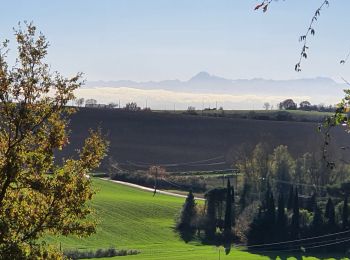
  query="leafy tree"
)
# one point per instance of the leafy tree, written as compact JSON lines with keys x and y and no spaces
{"x":244,"y":198}
{"x":288,"y":104}
{"x":305,"y":105}
{"x":37,"y":196}
{"x":266,"y":106}
{"x":132,"y":106}
{"x":282,"y":168}
{"x":80,"y":102}
{"x":90,"y":102}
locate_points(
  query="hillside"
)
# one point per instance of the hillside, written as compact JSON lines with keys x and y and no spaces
{"x":161,"y":138}
{"x":134,"y":219}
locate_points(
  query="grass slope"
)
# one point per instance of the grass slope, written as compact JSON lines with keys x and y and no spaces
{"x":134,"y":219}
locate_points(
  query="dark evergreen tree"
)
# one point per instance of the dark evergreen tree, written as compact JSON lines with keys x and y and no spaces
{"x":210,"y":226}
{"x":290,"y":198}
{"x":271,"y":210}
{"x":317,"y":221}
{"x":228,"y":217}
{"x":311,"y":203}
{"x":345,"y":217}
{"x":281,"y":224}
{"x":295,"y":225}
{"x":187,"y":216}
{"x":233,"y":207}
{"x":330,"y":215}
{"x":228,"y":212}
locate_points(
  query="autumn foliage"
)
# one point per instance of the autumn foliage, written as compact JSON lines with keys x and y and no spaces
{"x":39,"y":196}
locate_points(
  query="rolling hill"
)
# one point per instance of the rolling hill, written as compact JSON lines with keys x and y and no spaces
{"x":134,"y":219}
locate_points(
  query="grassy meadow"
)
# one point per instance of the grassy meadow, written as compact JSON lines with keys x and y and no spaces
{"x":133,"y":219}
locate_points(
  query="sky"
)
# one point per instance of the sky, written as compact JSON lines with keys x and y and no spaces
{"x":145,"y":40}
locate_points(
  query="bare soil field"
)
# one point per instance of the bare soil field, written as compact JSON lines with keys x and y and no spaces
{"x":141,"y":138}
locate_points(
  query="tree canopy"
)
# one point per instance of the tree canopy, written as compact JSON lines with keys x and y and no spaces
{"x":39,"y":196}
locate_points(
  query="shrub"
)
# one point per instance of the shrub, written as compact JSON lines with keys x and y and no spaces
{"x":99,"y":253}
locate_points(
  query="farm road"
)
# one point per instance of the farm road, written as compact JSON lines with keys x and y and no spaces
{"x":149,"y":189}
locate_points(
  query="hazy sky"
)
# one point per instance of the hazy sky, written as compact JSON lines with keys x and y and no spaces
{"x":175,"y":39}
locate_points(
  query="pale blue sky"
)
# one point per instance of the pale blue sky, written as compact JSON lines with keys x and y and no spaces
{"x":175,"y":39}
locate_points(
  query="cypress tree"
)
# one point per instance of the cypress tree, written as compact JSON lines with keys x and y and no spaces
{"x":311,"y":203}
{"x":345,"y":216}
{"x":228,"y":212}
{"x":317,"y":221}
{"x":330,"y":214}
{"x":233,"y":207}
{"x":281,"y":226}
{"x":295,"y":226}
{"x":188,"y":213}
{"x":210,"y":218}
{"x":290,"y":198}
{"x":271,"y":211}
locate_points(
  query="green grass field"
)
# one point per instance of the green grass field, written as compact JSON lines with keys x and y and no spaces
{"x":134,"y":219}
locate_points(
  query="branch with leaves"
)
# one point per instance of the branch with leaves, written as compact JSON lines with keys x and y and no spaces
{"x":303,"y":38}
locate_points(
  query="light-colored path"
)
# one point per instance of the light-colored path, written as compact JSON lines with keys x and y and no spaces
{"x":149,"y":189}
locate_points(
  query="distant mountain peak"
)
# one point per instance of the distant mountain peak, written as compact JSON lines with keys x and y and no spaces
{"x":203,"y":75}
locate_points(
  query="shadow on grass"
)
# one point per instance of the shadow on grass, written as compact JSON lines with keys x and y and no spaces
{"x":300,"y":255}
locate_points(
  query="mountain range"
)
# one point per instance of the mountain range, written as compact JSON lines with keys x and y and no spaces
{"x":203,"y":82}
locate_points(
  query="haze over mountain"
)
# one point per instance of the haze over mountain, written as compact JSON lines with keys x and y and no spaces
{"x":205,"y":89}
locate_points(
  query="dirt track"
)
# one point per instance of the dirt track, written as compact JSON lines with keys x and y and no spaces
{"x":148,"y":189}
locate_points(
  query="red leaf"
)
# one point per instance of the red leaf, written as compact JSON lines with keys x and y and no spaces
{"x":258,"y":6}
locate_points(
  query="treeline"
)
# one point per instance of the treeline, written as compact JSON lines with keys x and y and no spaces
{"x":162,"y":180}
{"x":213,"y":222}
{"x":309,"y":173}
{"x":287,"y":224}
{"x":283,"y":203}
{"x":305,"y":105}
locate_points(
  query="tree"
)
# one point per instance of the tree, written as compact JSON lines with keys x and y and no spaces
{"x":37,"y":196}
{"x":317,"y":221}
{"x":80,"y":102}
{"x":281,"y":218}
{"x":132,"y":106}
{"x":330,"y":214}
{"x":295,"y":225}
{"x":90,"y":102}
{"x":282,"y":167}
{"x":290,"y":201}
{"x":187,"y":217}
{"x":244,"y":198}
{"x":311,"y":202}
{"x":288,"y":104}
{"x":228,"y":212}
{"x":112,"y":105}
{"x":266,"y":106}
{"x":305,"y":105}
{"x":345,"y":216}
